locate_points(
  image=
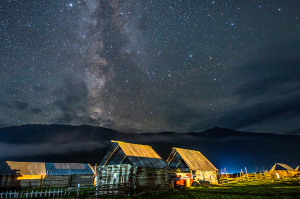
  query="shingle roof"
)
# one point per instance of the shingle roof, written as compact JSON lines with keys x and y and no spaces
{"x":137,"y":150}
{"x":194,"y":159}
{"x":280,"y":166}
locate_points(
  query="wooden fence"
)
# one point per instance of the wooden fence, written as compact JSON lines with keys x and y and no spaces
{"x":36,"y":194}
{"x":248,"y":177}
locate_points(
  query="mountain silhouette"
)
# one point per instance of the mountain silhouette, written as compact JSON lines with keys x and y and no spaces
{"x":227,"y":148}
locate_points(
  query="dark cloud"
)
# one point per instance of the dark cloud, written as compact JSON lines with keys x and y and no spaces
{"x":268,"y":88}
{"x":258,"y":113}
{"x":182,"y":116}
{"x":36,"y":110}
{"x":274,"y":71}
{"x":72,"y":100}
{"x":16,"y":150}
{"x":21,"y":105}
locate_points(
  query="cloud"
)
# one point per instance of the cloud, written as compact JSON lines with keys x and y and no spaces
{"x":268,"y":88}
{"x":15,"y":150}
{"x":264,"y":111}
{"x":71,"y":100}
{"x":274,"y":71}
{"x":183,"y":117}
{"x":21,"y":105}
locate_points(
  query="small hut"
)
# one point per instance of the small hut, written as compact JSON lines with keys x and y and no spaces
{"x":282,"y":170}
{"x":131,"y":169}
{"x":68,"y":175}
{"x":192,"y":164}
{"x":41,"y":174}
{"x":21,"y":174}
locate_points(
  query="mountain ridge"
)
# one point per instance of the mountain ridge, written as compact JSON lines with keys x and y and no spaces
{"x":223,"y":147}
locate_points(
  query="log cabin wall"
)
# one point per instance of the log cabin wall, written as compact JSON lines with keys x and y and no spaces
{"x":115,"y":179}
{"x":151,"y":180}
{"x":209,"y":176}
{"x":9,"y":181}
{"x":126,"y":179}
{"x":56,"y":181}
{"x":82,"y":179}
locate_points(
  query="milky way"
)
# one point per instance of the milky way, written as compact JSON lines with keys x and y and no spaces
{"x":150,"y":66}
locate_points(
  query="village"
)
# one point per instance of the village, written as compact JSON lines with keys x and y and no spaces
{"x":127,"y":169}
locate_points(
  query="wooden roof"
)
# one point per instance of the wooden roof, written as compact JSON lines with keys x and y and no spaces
{"x":134,"y":154}
{"x":27,"y":168}
{"x":137,"y":150}
{"x":280,"y":166}
{"x":43,"y":168}
{"x":194,"y":159}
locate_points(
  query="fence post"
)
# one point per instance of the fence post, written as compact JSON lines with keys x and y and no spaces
{"x":226,"y":175}
{"x":221,"y":178}
{"x":78,"y":190}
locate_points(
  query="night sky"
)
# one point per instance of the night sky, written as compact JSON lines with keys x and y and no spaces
{"x":151,"y":66}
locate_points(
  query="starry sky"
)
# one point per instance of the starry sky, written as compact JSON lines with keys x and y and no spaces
{"x":151,"y":66}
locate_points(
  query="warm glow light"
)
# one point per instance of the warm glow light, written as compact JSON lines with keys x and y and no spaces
{"x":28,"y":177}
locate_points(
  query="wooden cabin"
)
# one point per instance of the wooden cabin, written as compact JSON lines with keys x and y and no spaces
{"x":192,"y":164}
{"x":15,"y":175}
{"x":282,"y":170}
{"x":68,"y":175}
{"x":40,"y":174}
{"x":131,"y":169}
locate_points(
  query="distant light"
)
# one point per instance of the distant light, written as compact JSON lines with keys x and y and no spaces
{"x":191,"y":55}
{"x":279,"y":9}
{"x":70,"y":4}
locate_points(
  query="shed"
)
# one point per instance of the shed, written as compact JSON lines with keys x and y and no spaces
{"x":189,"y":161}
{"x":21,"y":174}
{"x":282,"y":170}
{"x":68,"y":174}
{"x":41,"y":174}
{"x":131,"y":169}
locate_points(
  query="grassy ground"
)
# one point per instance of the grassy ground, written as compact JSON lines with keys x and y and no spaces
{"x":287,"y":188}
{"x":274,"y":188}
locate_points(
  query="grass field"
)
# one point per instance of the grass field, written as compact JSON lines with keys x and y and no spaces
{"x":284,"y":188}
{"x":272,"y":188}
